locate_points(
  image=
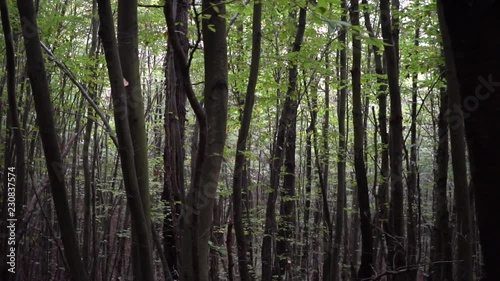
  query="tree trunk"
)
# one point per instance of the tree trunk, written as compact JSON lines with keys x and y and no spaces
{"x":174,"y":153}
{"x":365,"y":269}
{"x":307,"y":208}
{"x":126,"y":148}
{"x":287,"y":119}
{"x":53,"y":159}
{"x":201,"y":197}
{"x":240,"y":162}
{"x":397,"y":255}
{"x":128,"y":52}
{"x":412,"y":182}
{"x":86,"y":193}
{"x":456,"y":85}
{"x":381,"y":195}
{"x":18,"y":174}
{"x":341,"y":163}
{"x":442,"y":233}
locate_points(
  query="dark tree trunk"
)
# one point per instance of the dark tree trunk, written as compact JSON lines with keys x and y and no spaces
{"x":14,"y":126}
{"x":307,"y":208}
{"x":287,"y":120}
{"x":341,"y":163}
{"x":126,"y":147}
{"x":53,"y":158}
{"x":442,"y":233}
{"x":412,"y":182}
{"x":240,"y":167}
{"x":86,"y":193}
{"x":174,"y":153}
{"x":365,"y":269}
{"x":201,"y":198}
{"x":472,"y":58}
{"x":397,"y":255}
{"x":129,"y":58}
{"x":381,"y":195}
{"x":197,"y":199}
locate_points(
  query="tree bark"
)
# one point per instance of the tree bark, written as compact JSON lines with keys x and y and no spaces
{"x":126,"y":147}
{"x":16,"y":129}
{"x":128,"y":53}
{"x":174,"y":153}
{"x":53,"y":159}
{"x":365,"y":269}
{"x":412,"y":178}
{"x":201,"y":197}
{"x":341,"y":163}
{"x":287,"y":119}
{"x":241,"y":147}
{"x":442,"y":233}
{"x":458,"y":73}
{"x":381,"y":195}
{"x":397,"y":255}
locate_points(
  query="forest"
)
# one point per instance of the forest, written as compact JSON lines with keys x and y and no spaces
{"x":245,"y":140}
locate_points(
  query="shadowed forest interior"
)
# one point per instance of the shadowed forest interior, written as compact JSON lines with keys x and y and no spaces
{"x":248,"y":140}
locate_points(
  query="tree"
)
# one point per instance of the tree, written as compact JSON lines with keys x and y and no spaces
{"x":260,"y":139}
{"x":285,"y":141}
{"x":15,"y":126}
{"x":53,"y":160}
{"x":470,"y":51}
{"x":341,"y":163}
{"x":144,"y":263}
{"x":129,"y":59}
{"x":365,"y":269}
{"x":241,"y":148}
{"x":197,"y":218}
{"x":442,"y":233}
{"x":396,"y":218}
{"x":174,"y":152}
{"x":457,"y":142}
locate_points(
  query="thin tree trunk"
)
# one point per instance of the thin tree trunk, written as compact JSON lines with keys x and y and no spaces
{"x":126,"y":148}
{"x":365,"y":269}
{"x":17,"y":186}
{"x":307,"y":208}
{"x":201,"y":197}
{"x":128,"y":52}
{"x":397,"y":255}
{"x":287,"y":119}
{"x":240,"y":162}
{"x":464,"y":269}
{"x":441,"y":269}
{"x":86,"y":190}
{"x":341,"y":163}
{"x":381,"y":196}
{"x":174,"y":153}
{"x":412,"y":178}
{"x":53,"y":158}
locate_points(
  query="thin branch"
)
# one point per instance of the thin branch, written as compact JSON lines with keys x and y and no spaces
{"x":198,"y":35}
{"x":84,"y":92}
{"x":181,"y":62}
{"x":425,"y":97}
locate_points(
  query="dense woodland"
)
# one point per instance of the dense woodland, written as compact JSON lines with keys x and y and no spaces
{"x":250,"y":140}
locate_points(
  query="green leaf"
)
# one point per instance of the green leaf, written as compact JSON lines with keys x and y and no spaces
{"x":216,"y":8}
